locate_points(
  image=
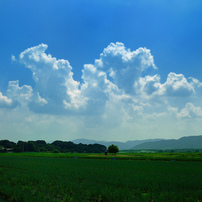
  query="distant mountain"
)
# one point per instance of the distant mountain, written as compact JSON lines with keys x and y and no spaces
{"x":121,"y":145}
{"x":190,"y":142}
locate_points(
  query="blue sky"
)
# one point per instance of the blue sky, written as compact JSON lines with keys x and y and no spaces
{"x":125,"y":69}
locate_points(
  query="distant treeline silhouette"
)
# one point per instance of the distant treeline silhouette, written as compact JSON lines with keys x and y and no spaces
{"x":56,"y":147}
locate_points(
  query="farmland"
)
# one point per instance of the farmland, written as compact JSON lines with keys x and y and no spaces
{"x":95,"y":177}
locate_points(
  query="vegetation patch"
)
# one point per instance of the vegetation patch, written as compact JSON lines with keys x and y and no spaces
{"x":55,"y":147}
{"x":93,"y":178}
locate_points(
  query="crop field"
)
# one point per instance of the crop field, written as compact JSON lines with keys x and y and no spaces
{"x":92,"y":177}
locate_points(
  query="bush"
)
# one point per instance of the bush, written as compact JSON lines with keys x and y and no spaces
{"x":56,"y":151}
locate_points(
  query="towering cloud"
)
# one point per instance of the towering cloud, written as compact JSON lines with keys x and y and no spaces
{"x":116,"y":86}
{"x":55,"y":87}
{"x":115,"y":95}
{"x":123,"y":66}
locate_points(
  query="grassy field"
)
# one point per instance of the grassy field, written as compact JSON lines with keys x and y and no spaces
{"x":120,"y":156}
{"x":94,"y":177}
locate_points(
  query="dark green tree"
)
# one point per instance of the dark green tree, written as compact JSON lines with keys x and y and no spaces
{"x":7,"y":144}
{"x":113,"y":149}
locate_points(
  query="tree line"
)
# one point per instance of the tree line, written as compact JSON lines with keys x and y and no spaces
{"x":56,"y":147}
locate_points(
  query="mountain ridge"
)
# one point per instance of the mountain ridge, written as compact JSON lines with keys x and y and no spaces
{"x":122,"y":145}
{"x":186,"y":142}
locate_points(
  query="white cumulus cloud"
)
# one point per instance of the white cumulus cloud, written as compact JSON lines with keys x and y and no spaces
{"x":19,"y":94}
{"x":114,"y":91}
{"x":123,"y":66}
{"x":190,"y":111}
{"x":177,"y":85}
{"x":5,"y":101}
{"x":114,"y":95}
{"x":54,"y":81}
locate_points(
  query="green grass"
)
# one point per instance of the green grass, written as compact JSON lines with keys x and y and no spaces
{"x":60,"y":177}
{"x":121,"y":156}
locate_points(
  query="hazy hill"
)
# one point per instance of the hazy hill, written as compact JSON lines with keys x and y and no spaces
{"x":191,"y":142}
{"x":121,"y":145}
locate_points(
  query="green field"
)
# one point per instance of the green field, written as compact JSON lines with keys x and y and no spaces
{"x":94,"y":177}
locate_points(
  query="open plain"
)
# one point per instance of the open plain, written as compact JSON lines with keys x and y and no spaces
{"x":95,"y":177}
